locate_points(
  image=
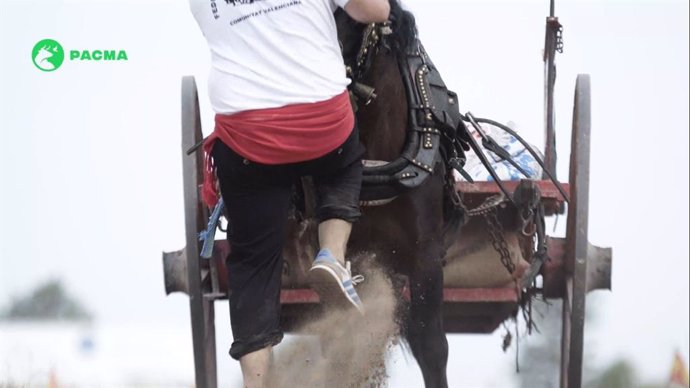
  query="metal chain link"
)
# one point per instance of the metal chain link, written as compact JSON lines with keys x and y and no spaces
{"x":489,"y":209}
{"x":497,"y":238}
{"x":488,"y":204}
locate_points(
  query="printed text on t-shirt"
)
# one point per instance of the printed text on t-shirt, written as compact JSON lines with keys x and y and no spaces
{"x":264,"y":11}
{"x":240,"y":2}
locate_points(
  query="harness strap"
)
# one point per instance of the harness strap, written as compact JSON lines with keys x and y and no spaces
{"x":430,"y":127}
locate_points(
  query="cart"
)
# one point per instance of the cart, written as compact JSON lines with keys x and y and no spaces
{"x":573,"y":268}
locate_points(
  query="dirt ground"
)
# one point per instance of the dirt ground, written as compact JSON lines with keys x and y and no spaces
{"x":352,"y":349}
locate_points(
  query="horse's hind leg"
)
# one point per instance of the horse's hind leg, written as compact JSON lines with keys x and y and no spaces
{"x":425,"y":327}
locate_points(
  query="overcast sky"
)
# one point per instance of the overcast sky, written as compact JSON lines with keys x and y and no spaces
{"x":90,"y":168}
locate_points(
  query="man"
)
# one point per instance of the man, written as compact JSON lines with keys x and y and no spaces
{"x":278,"y":87}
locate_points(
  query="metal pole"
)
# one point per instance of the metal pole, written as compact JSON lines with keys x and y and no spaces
{"x":552,"y":44}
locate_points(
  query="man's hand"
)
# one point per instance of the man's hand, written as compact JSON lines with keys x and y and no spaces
{"x":368,"y":11}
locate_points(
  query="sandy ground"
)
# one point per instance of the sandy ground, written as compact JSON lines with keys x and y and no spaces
{"x":352,"y":349}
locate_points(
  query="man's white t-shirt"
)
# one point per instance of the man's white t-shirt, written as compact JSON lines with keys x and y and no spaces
{"x":271,"y":53}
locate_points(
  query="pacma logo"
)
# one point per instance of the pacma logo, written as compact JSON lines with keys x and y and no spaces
{"x":98,"y":55}
{"x":48,"y":55}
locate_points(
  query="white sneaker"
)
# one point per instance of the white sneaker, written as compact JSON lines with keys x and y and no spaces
{"x":332,"y":281}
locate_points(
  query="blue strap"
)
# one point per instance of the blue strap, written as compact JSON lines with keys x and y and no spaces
{"x":325,"y":255}
{"x":208,"y":236}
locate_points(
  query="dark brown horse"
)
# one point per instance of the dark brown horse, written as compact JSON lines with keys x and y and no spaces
{"x":407,"y":234}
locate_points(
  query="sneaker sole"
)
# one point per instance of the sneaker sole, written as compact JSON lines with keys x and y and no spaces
{"x":329,"y":287}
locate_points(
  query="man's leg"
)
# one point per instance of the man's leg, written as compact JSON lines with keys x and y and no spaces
{"x":338,"y":184}
{"x":255,"y":367}
{"x":257,"y":206}
{"x":337,"y":207}
{"x":333,"y":235}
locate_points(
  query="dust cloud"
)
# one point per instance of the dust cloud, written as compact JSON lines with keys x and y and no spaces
{"x":341,"y":348}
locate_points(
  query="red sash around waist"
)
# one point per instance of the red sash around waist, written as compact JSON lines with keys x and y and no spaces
{"x":289,"y":134}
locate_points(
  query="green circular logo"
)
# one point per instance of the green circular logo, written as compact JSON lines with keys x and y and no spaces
{"x":48,"y":55}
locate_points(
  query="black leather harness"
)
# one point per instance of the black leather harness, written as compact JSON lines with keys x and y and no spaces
{"x":434,"y":117}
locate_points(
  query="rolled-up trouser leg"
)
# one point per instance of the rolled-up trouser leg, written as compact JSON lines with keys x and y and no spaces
{"x":337,"y":193}
{"x":255,"y":266}
{"x":257,"y":213}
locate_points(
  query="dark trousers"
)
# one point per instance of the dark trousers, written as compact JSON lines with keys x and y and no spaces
{"x":257,"y":199}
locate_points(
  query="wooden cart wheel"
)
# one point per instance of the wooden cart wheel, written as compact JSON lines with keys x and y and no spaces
{"x":201,"y":308}
{"x":576,"y":240}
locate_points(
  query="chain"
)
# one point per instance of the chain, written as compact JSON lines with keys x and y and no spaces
{"x":488,"y":205}
{"x":497,"y":238}
{"x":489,"y":210}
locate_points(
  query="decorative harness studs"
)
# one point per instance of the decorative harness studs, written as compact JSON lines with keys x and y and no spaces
{"x":431,"y":125}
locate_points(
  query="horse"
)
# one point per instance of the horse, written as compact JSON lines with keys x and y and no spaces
{"x":408,"y":234}
{"x":415,"y":137}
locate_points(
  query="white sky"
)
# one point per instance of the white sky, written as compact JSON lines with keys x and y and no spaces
{"x":90,"y":170}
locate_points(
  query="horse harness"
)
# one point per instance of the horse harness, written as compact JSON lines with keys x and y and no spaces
{"x":433,"y":120}
{"x":437,"y":133}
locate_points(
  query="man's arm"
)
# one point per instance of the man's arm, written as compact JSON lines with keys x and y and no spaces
{"x":368,"y":11}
